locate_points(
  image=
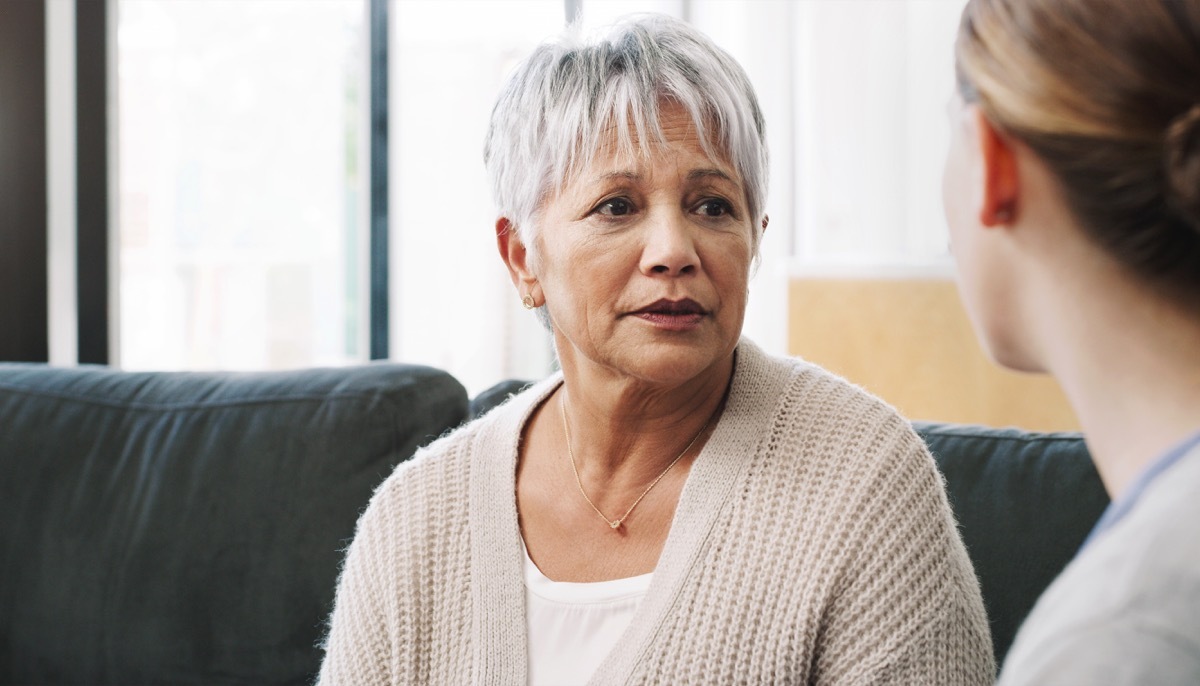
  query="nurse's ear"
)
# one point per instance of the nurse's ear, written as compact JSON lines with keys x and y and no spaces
{"x":996,"y":176}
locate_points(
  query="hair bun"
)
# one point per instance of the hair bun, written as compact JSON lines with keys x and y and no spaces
{"x":1183,"y":164}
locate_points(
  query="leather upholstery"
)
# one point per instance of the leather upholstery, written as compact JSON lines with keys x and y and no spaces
{"x":187,"y":528}
{"x":1025,"y":501}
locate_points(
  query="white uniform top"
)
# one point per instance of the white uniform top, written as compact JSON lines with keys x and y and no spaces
{"x":573,"y":626}
{"x":1124,"y":611}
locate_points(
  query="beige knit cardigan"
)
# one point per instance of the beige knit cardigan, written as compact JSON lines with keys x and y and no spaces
{"x":812,"y":544}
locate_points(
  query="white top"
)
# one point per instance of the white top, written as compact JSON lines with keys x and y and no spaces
{"x":572,"y":627}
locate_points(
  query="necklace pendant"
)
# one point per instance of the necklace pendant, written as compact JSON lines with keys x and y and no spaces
{"x":614,"y":524}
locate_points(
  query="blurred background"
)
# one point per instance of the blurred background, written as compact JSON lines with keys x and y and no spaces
{"x":262,"y":184}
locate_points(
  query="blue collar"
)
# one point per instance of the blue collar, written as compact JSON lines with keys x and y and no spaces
{"x":1117,"y":509}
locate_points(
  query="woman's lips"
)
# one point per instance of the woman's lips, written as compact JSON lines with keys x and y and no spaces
{"x":671,"y":322}
{"x":673,"y":315}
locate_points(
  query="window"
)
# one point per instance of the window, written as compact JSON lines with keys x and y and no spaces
{"x":242,"y":189}
{"x":453,"y":306}
{"x":241,"y":196}
{"x":872,"y":80}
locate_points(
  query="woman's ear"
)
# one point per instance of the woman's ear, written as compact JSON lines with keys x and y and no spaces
{"x":516,"y":258}
{"x":997,"y":174}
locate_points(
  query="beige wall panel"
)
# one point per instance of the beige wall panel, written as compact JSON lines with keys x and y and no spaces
{"x":909,"y":342}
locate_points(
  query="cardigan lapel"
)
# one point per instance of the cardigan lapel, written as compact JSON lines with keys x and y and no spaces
{"x":716,"y":474}
{"x":497,"y":583}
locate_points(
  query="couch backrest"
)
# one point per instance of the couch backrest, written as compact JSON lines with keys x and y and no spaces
{"x":1025,"y":502}
{"x":188,"y":527}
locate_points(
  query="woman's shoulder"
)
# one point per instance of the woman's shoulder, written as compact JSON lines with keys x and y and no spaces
{"x":820,"y":398}
{"x":434,"y":479}
{"x":844,"y":448}
{"x":451,"y":457}
{"x":817,"y":428}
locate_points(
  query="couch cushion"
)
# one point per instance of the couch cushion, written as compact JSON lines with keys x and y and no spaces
{"x":188,"y":527}
{"x":1024,"y":501}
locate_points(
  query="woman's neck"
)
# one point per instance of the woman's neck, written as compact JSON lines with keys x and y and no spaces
{"x":624,"y":426}
{"x":1130,"y":365}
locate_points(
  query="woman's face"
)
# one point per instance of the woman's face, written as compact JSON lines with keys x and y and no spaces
{"x":644,"y":263}
{"x":984,"y":271}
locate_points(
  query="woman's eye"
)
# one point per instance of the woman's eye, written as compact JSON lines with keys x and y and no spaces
{"x":617,"y":207}
{"x":714,"y":208}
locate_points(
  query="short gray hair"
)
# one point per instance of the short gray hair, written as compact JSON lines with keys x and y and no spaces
{"x":552,"y":115}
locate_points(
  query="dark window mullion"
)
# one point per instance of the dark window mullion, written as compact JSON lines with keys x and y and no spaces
{"x":91,"y":131}
{"x":379,"y":299}
{"x":24,"y":324}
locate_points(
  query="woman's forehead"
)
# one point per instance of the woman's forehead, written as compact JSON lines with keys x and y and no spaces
{"x":628,"y":153}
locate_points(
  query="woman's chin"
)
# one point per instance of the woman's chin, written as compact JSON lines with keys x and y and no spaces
{"x":654,"y":353}
{"x":676,"y":364}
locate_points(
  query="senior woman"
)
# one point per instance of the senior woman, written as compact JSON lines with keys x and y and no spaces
{"x":1072,"y":191}
{"x":675,"y":506}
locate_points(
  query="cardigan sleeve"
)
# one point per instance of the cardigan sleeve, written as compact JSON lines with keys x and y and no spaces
{"x":357,"y":649}
{"x":908,"y":609}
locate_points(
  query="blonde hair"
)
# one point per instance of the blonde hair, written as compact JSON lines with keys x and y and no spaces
{"x":1107,"y":94}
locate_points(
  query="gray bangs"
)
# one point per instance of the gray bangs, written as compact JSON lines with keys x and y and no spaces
{"x":562,"y":103}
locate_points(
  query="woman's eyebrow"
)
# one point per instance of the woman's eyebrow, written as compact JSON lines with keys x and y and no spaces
{"x":706,"y":173}
{"x":619,"y":176}
{"x":694,"y":175}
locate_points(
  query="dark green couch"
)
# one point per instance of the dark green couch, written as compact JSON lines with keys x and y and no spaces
{"x":160,"y":528}
{"x":187,"y":528}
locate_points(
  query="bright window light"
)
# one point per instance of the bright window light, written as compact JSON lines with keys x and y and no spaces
{"x":240,"y":193}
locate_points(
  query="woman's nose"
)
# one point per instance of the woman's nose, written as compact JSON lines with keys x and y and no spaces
{"x":670,"y":248}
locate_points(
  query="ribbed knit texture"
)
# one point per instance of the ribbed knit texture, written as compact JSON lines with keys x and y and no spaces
{"x":812,"y":544}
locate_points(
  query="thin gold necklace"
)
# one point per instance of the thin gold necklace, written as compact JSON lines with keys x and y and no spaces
{"x":616,"y":523}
